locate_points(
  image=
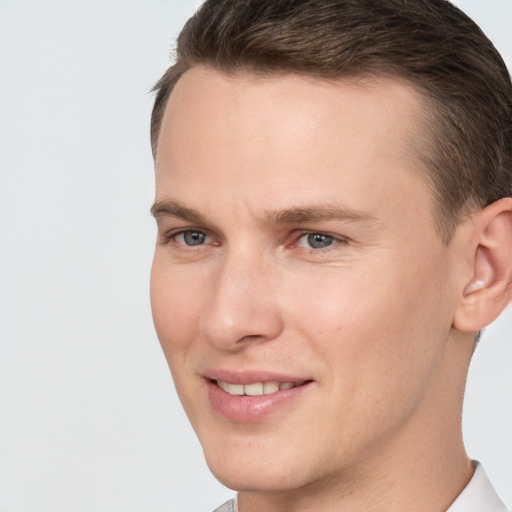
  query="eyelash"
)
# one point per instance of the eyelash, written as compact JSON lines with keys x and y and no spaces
{"x":172,"y":236}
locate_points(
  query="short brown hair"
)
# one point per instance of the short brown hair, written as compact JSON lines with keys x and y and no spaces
{"x":430,"y":44}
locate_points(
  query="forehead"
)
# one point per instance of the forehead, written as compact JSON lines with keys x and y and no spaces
{"x":250,"y":134}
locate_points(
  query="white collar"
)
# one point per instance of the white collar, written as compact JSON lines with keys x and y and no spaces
{"x":478,"y":496}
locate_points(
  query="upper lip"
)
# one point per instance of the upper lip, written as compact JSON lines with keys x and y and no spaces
{"x":250,"y":376}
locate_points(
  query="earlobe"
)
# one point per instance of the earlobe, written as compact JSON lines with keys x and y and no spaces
{"x":489,"y":290}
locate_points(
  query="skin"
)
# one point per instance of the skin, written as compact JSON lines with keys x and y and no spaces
{"x":370,"y":318}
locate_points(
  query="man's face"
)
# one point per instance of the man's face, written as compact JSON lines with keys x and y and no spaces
{"x":296,"y":246}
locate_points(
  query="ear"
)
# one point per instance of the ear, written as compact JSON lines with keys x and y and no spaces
{"x":489,"y":290}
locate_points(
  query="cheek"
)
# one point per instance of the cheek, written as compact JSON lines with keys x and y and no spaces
{"x":174,"y":300}
{"x":376,"y":331}
{"x":174,"y":304}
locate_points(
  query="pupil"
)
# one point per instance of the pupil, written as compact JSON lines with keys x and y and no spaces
{"x":319,"y":241}
{"x":193,"y":238}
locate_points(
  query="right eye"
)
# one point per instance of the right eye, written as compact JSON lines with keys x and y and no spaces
{"x":191,"y":238}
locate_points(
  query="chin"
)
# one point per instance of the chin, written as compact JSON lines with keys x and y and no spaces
{"x":265,"y":475}
{"x":243,"y":480}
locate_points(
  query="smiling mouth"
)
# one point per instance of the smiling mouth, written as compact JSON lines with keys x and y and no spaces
{"x":257,"y":388}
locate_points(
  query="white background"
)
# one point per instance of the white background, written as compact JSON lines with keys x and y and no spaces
{"x":89,"y":421}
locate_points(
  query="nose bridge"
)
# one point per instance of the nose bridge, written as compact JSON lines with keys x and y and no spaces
{"x":242,"y":303}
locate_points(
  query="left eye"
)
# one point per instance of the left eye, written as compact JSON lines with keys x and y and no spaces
{"x":192,"y":238}
{"x":316,"y":240}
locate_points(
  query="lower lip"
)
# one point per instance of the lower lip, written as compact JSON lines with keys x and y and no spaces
{"x":251,"y":408}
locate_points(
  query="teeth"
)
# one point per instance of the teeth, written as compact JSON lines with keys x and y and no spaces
{"x":270,"y":387}
{"x":255,"y":388}
{"x":223,"y":385}
{"x":236,"y":389}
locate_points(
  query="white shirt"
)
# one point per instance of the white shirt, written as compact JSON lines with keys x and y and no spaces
{"x":478,"y":496}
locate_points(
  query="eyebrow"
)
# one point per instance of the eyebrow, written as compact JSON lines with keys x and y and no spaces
{"x":170,"y":208}
{"x":315,"y":213}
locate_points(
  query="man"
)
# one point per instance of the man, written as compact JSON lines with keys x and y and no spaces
{"x":333,"y":199}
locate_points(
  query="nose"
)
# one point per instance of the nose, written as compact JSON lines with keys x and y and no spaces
{"x":241,"y":305}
